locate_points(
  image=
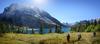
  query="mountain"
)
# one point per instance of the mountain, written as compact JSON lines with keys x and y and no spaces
{"x":92,"y":25}
{"x":23,"y":15}
{"x":66,"y":24}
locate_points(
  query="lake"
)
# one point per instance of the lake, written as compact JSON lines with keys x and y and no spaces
{"x":46,"y":30}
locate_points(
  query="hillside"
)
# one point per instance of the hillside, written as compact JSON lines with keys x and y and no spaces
{"x":87,"y":26}
{"x":23,"y":15}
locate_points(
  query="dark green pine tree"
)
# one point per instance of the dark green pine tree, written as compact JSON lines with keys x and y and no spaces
{"x":22,"y":30}
{"x":41,"y":28}
{"x":11,"y":29}
{"x":4,"y":28}
{"x":18,"y":29}
{"x":33,"y":31}
{"x":49,"y":27}
{"x":1,"y":28}
{"x":58,"y":29}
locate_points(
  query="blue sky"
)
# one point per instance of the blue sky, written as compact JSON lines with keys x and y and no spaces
{"x":64,"y":10}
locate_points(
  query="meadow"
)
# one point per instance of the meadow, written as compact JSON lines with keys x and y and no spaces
{"x":52,"y":38}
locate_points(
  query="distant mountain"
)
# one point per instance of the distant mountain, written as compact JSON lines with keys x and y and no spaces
{"x":87,"y":26}
{"x":66,"y":24}
{"x":23,"y":15}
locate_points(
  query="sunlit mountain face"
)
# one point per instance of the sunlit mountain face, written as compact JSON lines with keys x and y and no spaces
{"x":23,"y":15}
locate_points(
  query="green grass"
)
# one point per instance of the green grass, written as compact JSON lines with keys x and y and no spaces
{"x":52,"y":38}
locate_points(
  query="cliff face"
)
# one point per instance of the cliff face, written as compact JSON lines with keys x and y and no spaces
{"x":26,"y":16}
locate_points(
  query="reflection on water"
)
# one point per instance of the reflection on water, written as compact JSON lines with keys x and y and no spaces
{"x":46,"y":30}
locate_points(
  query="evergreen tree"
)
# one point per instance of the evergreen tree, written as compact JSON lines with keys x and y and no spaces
{"x":49,"y":27}
{"x":33,"y":31}
{"x":41,"y":28}
{"x":58,"y":29}
{"x":86,"y":26}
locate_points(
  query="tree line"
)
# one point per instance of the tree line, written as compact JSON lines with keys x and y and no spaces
{"x":10,"y":28}
{"x":92,"y":25}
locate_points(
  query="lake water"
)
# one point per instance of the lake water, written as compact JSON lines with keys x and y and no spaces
{"x":46,"y":30}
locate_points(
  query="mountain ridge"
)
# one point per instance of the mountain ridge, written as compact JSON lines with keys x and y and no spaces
{"x":26,"y":16}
